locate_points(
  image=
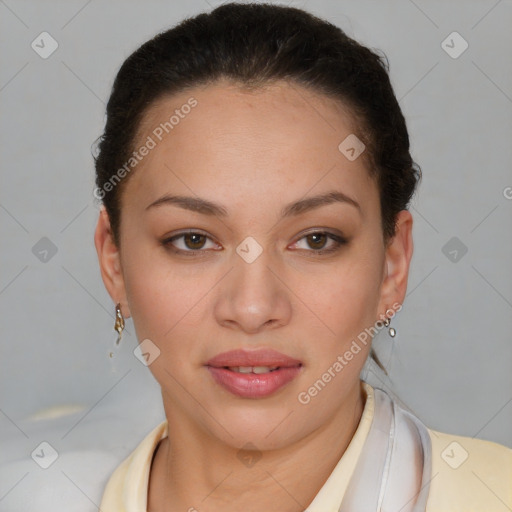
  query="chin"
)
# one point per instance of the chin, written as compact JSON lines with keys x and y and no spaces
{"x":267,"y":427}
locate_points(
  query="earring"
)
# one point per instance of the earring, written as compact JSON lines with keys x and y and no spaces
{"x":119,"y":325}
{"x":391,"y":330}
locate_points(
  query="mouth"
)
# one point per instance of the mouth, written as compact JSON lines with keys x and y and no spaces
{"x":253,"y":361}
{"x":252,"y":369}
{"x":253,"y":374}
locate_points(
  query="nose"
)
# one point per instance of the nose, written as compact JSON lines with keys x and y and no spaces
{"x":254,"y":295}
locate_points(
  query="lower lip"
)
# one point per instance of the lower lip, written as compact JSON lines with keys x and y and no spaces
{"x":252,"y":385}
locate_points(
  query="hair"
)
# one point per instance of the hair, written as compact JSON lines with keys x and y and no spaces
{"x":254,"y":45}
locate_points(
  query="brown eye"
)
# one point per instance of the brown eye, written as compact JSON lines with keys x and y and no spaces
{"x":318,"y":241}
{"x":188,"y":243}
{"x":194,"y":240}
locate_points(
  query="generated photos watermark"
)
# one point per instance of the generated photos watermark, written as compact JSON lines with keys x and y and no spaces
{"x":363,"y":338}
{"x":144,"y":150}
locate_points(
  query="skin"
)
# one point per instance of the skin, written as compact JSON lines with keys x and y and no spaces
{"x":254,"y":153}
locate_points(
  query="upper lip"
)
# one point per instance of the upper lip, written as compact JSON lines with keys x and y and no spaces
{"x":260,"y":357}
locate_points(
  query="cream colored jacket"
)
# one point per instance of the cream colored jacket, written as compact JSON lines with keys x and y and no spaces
{"x":468,"y":475}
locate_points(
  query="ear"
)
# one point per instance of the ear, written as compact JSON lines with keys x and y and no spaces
{"x":396,"y":266}
{"x":110,"y":262}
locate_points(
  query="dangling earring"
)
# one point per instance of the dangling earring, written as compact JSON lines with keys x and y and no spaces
{"x":391,"y":330}
{"x":119,"y":325}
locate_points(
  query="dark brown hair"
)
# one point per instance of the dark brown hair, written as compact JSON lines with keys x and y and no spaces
{"x":253,"y":45}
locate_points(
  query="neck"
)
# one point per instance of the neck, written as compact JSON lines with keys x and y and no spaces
{"x":193,"y":471}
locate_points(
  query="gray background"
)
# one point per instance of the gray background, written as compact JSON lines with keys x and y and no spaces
{"x":451,"y":361}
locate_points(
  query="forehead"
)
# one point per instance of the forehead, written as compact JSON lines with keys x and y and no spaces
{"x":218,"y":137}
{"x":231,"y":105}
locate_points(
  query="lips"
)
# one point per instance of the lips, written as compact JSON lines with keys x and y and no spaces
{"x":254,"y":358}
{"x":253,"y":374}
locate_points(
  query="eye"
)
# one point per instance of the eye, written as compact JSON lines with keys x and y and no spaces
{"x":318,"y":240}
{"x":191,"y":242}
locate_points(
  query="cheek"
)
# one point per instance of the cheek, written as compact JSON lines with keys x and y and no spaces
{"x":345,"y":303}
{"x":164,"y":305}
{"x":347,"y":297}
{"x":339,"y":344}
{"x":161,"y":296}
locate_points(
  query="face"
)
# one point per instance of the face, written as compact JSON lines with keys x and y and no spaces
{"x":276,"y":244}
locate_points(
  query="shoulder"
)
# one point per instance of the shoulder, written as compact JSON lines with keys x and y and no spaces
{"x":129,"y":482}
{"x":112,"y":495}
{"x":469,"y":474}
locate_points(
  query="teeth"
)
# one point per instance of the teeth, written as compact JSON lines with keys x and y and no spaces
{"x":261,"y":369}
{"x":253,"y":369}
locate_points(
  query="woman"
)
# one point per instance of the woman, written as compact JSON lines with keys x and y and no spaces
{"x":255,"y":174}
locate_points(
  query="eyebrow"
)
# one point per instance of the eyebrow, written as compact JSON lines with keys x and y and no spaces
{"x":205,"y":207}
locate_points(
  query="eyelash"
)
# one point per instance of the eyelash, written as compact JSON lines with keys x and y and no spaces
{"x":338,"y":243}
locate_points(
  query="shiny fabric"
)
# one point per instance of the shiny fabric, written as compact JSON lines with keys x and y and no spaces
{"x":394,"y":470}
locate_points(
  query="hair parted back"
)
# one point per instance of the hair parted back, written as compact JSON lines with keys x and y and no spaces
{"x":253,"y":45}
